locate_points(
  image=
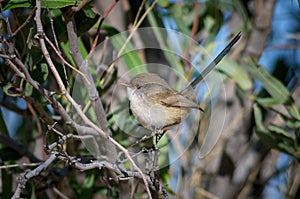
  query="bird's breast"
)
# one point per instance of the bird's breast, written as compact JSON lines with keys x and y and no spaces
{"x":152,"y":114}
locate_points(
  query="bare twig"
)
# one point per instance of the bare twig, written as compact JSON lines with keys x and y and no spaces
{"x":58,"y":192}
{"x":27,"y":21}
{"x":39,"y":36}
{"x":139,"y":13}
{"x":23,"y":180}
{"x":55,"y":39}
{"x":20,"y":69}
{"x":78,"y":7}
{"x":99,"y":27}
{"x":134,"y":29}
{"x":92,"y":90}
{"x":58,"y":53}
{"x":20,"y":165}
{"x":196,"y":21}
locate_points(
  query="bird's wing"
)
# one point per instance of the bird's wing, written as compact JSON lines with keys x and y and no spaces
{"x":168,"y":97}
{"x":177,"y":100}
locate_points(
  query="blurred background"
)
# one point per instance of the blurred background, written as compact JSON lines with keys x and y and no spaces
{"x":246,"y":145}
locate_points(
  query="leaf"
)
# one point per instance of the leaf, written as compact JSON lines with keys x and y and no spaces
{"x":40,"y":72}
{"x":28,"y":90}
{"x":267,"y":101}
{"x":129,"y":55}
{"x":294,"y":111}
{"x":163,"y":3}
{"x":82,"y":48}
{"x":88,"y":181}
{"x":8,"y":90}
{"x":277,"y":129}
{"x":293,"y":124}
{"x":85,"y":19}
{"x":236,"y":73}
{"x":274,"y":87}
{"x":50,"y":4}
{"x":258,"y":119}
{"x":274,"y":136}
{"x":65,"y":46}
{"x":162,"y":40}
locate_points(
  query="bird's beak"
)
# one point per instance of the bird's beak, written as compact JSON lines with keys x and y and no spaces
{"x":126,"y":84}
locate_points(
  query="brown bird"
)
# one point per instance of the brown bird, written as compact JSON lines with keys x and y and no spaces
{"x":157,"y":106}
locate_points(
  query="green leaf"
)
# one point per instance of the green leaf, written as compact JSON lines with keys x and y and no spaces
{"x":267,"y":101}
{"x":82,"y":48}
{"x":129,"y":55}
{"x":274,"y":87}
{"x":18,"y":4}
{"x":293,"y":124}
{"x":163,"y":3}
{"x":294,"y":111}
{"x":111,"y":31}
{"x":236,"y":73}
{"x":172,"y":58}
{"x":88,"y":181}
{"x":65,"y":46}
{"x":258,"y":119}
{"x":277,"y":129}
{"x":176,"y":10}
{"x":40,"y":72}
{"x":274,"y":136}
{"x":7,"y":91}
{"x":50,"y":4}
{"x":28,"y":90}
{"x":85,"y":19}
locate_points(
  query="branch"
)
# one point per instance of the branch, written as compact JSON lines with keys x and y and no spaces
{"x":23,"y":180}
{"x":20,"y":149}
{"x":57,"y":106}
{"x":261,"y":28}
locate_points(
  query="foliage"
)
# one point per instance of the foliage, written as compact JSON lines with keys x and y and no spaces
{"x":49,"y":125}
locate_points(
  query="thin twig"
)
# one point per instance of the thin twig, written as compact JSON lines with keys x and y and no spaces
{"x":27,"y":21}
{"x":134,"y":29}
{"x":99,"y":27}
{"x":58,"y":192}
{"x":55,"y":39}
{"x":196,"y":21}
{"x":20,"y":165}
{"x":139,"y":13}
{"x":23,"y":180}
{"x":78,"y":7}
{"x":58,"y":53}
{"x":70,"y":99}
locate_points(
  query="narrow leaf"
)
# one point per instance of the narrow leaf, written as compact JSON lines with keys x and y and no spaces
{"x":129,"y":55}
{"x":236,"y":73}
{"x":267,"y":101}
{"x":274,"y":87}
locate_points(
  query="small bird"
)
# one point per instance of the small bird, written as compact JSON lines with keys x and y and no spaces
{"x":157,"y":106}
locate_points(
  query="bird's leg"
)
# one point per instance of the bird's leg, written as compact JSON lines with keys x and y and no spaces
{"x":158,"y":135}
{"x":142,"y":139}
{"x":155,"y":139}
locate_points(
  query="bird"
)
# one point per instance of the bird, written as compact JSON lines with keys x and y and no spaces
{"x":157,"y":106}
